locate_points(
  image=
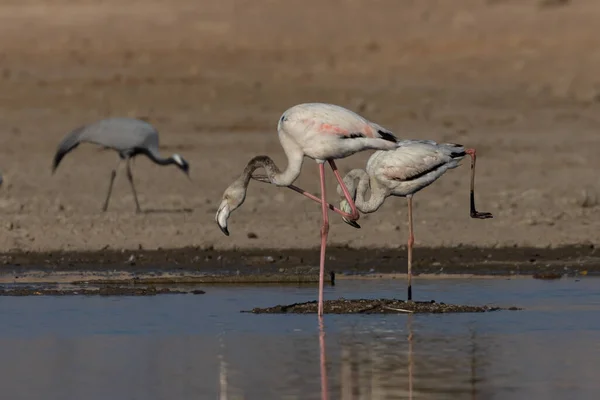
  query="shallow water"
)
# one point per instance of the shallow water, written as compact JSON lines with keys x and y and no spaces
{"x":202,"y":347}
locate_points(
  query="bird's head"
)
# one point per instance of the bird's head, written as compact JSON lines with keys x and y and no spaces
{"x":233,"y":197}
{"x":181,"y":163}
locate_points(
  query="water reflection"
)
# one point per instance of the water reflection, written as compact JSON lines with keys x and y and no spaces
{"x":323,"y":361}
{"x":223,"y":393}
{"x":410,"y":356}
{"x":388,"y":366}
{"x":188,"y":347}
{"x":367,"y":373}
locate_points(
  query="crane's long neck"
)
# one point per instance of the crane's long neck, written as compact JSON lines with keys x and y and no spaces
{"x":358,"y":192}
{"x":155,"y":156}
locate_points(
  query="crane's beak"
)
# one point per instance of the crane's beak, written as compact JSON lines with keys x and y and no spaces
{"x":222,"y":216}
{"x":185,"y":169}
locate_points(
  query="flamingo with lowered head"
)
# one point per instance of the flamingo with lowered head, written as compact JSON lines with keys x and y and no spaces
{"x":412,"y":166}
{"x":323,"y":132}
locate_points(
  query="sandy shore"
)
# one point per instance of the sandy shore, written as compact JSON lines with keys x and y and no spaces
{"x":518,"y":80}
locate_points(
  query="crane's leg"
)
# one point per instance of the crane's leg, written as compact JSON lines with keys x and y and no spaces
{"x":411,"y":241}
{"x":113,"y":174}
{"x":474,"y":213}
{"x":324,"y":232}
{"x":130,"y":178}
{"x":265,"y":179}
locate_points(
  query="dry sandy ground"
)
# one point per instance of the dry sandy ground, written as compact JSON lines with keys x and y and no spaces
{"x":516,"y":79}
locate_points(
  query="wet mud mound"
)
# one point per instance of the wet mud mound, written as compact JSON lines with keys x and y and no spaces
{"x":376,"y":306}
{"x":98,"y":291}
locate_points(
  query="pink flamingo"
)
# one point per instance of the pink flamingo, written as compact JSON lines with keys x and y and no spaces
{"x":412,"y":166}
{"x":323,"y":132}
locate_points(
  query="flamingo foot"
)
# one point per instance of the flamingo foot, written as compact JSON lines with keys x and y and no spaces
{"x":481,"y":215}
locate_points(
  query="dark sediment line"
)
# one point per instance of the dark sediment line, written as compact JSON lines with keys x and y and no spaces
{"x":570,"y":260}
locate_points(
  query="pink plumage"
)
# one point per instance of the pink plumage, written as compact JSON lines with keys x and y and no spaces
{"x":323,"y":132}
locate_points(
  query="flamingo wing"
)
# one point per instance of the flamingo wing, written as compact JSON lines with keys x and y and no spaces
{"x":414,"y":160}
{"x":330,"y":119}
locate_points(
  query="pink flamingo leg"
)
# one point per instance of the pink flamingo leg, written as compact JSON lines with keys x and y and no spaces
{"x":315,"y":198}
{"x":264,"y":179}
{"x":355,"y":215}
{"x":324,"y":232}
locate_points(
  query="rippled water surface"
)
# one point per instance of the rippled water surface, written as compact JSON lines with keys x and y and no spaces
{"x":202,"y":347}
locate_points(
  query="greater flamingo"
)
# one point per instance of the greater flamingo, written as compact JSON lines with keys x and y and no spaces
{"x":323,"y":132}
{"x":402,"y":172}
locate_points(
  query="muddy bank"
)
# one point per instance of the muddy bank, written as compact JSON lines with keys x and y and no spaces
{"x":375,"y":306}
{"x":192,"y":265}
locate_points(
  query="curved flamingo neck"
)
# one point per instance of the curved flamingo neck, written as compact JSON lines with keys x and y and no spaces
{"x":274,"y":174}
{"x":295,"y":157}
{"x":257,"y":162}
{"x":358,"y":192}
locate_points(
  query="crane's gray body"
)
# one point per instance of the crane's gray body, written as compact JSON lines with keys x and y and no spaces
{"x":122,"y":134}
{"x":128,"y":136}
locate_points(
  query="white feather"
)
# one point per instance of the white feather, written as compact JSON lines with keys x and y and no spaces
{"x":404,"y":170}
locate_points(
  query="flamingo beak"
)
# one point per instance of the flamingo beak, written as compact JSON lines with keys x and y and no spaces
{"x":222,"y":216}
{"x":353,"y":224}
{"x":345,"y":207}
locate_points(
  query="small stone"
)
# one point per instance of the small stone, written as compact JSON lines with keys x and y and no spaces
{"x":252,"y":235}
